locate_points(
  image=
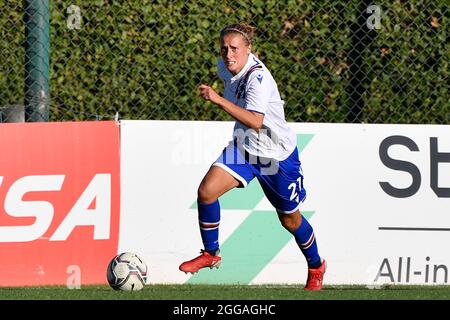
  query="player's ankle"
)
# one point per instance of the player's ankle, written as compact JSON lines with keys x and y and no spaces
{"x":315,"y":265}
{"x":213,"y":252}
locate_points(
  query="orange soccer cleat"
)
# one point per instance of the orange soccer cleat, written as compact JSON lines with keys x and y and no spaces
{"x":202,"y":261}
{"x":315,"y":277}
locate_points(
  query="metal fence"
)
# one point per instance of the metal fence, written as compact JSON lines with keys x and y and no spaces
{"x":334,"y":61}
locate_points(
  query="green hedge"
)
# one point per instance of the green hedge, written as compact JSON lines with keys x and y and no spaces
{"x":145,"y":59}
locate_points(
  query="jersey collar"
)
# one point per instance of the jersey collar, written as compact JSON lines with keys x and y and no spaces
{"x":244,"y":69}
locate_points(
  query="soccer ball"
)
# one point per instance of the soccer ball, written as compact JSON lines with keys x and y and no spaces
{"x":127,"y":271}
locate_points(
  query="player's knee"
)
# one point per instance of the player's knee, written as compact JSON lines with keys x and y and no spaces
{"x":205,"y":195}
{"x":289,"y":223}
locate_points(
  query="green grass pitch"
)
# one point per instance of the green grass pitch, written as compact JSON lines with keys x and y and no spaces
{"x":227,"y":292}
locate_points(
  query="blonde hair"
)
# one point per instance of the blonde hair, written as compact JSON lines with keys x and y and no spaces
{"x":246,"y":30}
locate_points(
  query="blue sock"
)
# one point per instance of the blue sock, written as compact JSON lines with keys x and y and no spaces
{"x":209,"y":220}
{"x":304,"y":236}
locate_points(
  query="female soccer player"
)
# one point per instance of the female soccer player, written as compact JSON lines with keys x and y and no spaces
{"x":263,"y":147}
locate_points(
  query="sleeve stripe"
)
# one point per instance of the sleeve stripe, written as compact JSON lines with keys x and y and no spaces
{"x":256,"y":111}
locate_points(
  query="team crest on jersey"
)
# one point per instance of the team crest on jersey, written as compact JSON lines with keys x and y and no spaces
{"x":240,"y":89}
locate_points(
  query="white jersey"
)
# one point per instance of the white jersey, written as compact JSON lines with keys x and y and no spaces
{"x":254,"y":89}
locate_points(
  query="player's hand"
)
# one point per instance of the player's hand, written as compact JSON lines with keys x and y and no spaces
{"x":208,"y":93}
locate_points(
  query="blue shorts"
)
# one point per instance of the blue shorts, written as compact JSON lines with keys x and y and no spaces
{"x":281,"y":181}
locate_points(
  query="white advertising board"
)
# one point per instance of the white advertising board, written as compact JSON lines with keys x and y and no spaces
{"x":378,"y":200}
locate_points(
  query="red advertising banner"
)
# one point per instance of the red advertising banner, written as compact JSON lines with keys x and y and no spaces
{"x":59,"y":202}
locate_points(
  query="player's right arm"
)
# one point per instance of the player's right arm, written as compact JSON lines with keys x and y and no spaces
{"x":251,"y":119}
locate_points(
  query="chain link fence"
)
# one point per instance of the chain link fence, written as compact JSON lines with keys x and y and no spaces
{"x":334,"y":61}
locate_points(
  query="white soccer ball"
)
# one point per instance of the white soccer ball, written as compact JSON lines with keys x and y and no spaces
{"x":127,"y":271}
